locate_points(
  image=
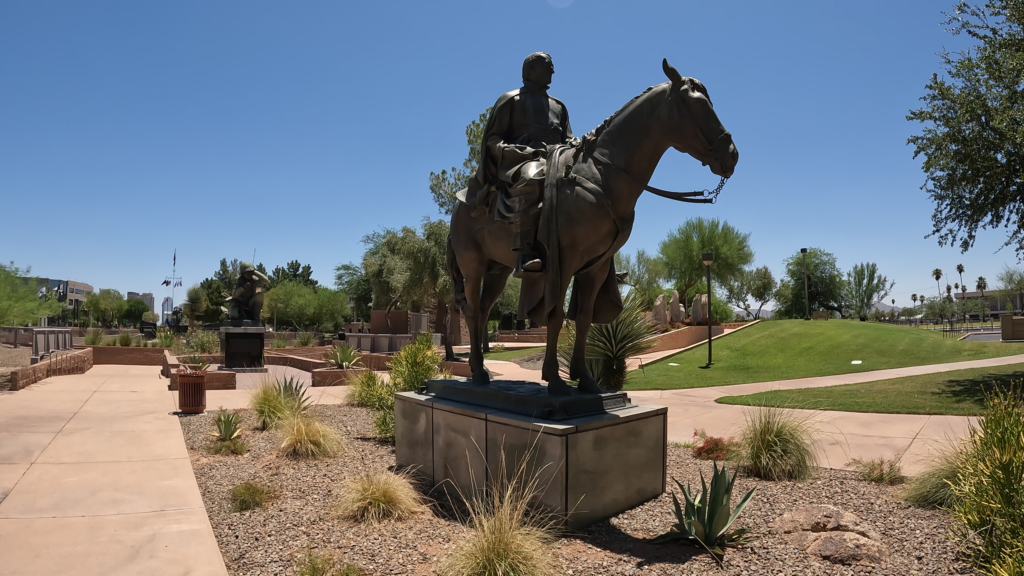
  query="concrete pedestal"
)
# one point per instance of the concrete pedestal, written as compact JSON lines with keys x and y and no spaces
{"x":242,"y":346}
{"x":591,"y":467}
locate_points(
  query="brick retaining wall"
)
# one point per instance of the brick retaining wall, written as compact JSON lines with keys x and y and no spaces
{"x":58,"y":364}
{"x":215,"y":380}
{"x":125,"y":355}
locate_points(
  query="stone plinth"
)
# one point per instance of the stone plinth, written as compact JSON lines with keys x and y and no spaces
{"x":590,"y":467}
{"x":527,"y":398}
{"x":242,"y":346}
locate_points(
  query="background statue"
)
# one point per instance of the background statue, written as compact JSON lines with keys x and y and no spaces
{"x":246,"y":301}
{"x":509,"y":180}
{"x":588,"y":206}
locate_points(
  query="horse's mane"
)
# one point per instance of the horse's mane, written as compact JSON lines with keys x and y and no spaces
{"x":596,"y":132}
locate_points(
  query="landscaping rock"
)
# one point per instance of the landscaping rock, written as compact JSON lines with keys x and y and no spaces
{"x":675,"y":310}
{"x":832,"y":534}
{"x":660,"y":316}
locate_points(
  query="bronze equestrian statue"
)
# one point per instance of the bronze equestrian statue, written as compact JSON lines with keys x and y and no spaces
{"x":590,"y":190}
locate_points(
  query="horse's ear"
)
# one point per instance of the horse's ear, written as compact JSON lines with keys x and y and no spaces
{"x":671,"y":72}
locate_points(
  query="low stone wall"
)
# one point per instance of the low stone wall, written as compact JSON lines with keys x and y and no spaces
{"x":126,"y":355}
{"x":215,"y":380}
{"x":59,"y":364}
{"x":312,"y":352}
{"x":380,"y":362}
{"x":683,"y":337}
{"x":538,"y":336}
{"x":272,"y":358}
{"x":335,"y":377}
{"x":170,"y":362}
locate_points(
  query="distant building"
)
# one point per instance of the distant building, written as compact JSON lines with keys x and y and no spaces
{"x":71,"y":293}
{"x":166,"y":307}
{"x":146,"y":297}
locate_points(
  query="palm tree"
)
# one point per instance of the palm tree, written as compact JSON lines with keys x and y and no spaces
{"x":960,"y":271}
{"x":981,"y":286}
{"x":913,"y":298}
{"x":949,"y":290}
{"x":937,"y":274}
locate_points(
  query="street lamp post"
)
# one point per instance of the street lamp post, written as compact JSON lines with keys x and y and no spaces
{"x":807,"y":298}
{"x":708,"y":258}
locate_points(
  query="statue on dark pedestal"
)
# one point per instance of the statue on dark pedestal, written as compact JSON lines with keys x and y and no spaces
{"x":510,"y":177}
{"x":246,"y":301}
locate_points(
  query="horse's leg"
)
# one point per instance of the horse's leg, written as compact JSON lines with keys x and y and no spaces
{"x":549,"y":371}
{"x":476,"y":353}
{"x":494,"y":283}
{"x":586,"y":294}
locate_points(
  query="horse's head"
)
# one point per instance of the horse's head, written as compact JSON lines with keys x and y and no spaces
{"x":693,"y":128}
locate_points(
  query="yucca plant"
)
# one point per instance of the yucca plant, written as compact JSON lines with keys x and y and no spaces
{"x":343,"y":357}
{"x":705,"y":521}
{"x":610,"y":345}
{"x":228,"y":424}
{"x":294,"y":395}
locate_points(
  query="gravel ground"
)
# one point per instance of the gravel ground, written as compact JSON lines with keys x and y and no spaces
{"x":533,"y":361}
{"x":299,"y":518}
{"x":11,"y":358}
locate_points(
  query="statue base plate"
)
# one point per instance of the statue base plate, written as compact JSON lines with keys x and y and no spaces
{"x":526,"y":398}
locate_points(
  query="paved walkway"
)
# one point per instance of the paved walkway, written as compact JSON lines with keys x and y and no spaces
{"x":842,"y":436}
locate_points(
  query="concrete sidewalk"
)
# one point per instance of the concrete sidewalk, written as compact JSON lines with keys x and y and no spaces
{"x":842,"y":436}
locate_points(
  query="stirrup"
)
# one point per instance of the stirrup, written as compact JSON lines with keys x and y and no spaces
{"x":532,"y":267}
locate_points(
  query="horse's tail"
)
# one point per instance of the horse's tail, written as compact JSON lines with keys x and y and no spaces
{"x":458,"y":280}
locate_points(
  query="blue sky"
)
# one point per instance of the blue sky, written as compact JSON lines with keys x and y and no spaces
{"x":131,"y":129}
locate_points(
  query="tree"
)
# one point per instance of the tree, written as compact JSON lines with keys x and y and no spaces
{"x":981,"y":285}
{"x":973,"y":134}
{"x":508,"y":302}
{"x":330,"y":309}
{"x":291,"y":272}
{"x":643,"y":274}
{"x":195,"y":304}
{"x":825,"y":285}
{"x":960,"y":271}
{"x":1011,"y":281}
{"x":913,"y":298}
{"x":290,"y":304}
{"x":105,"y":306}
{"x":350,"y":279}
{"x":227,"y":273}
{"x":445,"y":185}
{"x":134,"y":310}
{"x":20,"y":303}
{"x":761,"y":285}
{"x":681,"y":253}
{"x":937,"y":274}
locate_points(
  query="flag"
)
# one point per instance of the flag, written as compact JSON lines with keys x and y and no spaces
{"x":42,"y":291}
{"x":175,"y":256}
{"x":165,"y":283}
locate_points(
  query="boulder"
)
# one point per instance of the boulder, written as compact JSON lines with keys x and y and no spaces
{"x":699,"y":310}
{"x":832,"y":534}
{"x":660,"y":316}
{"x":675,"y":310}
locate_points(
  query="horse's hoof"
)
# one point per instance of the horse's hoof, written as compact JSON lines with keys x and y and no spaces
{"x":481,"y":378}
{"x":559,"y":388}
{"x":589,"y":386}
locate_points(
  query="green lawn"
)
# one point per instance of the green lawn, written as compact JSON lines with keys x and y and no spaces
{"x":785,"y":349}
{"x":960,"y":392}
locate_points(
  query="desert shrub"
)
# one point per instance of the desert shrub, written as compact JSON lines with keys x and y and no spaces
{"x":109,"y":341}
{"x":377,"y":495}
{"x":988,"y":503}
{"x":879,"y":470}
{"x":164,"y":338}
{"x":342,"y":357}
{"x":933,"y":488}
{"x":508,"y":537}
{"x":382,"y":402}
{"x":249,"y":496}
{"x":415,"y":363}
{"x":124,"y":338}
{"x":497,"y":347}
{"x":706,"y":447}
{"x":235,"y":446}
{"x":198,"y":342}
{"x":305,"y":339}
{"x":305,"y":437}
{"x":94,"y":337}
{"x":279,"y":341}
{"x":777,"y":445}
{"x":276,"y":399}
{"x":363,"y":388}
{"x":311,"y":564}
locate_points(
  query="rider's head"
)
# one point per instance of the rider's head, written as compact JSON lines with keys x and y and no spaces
{"x":538,"y":69}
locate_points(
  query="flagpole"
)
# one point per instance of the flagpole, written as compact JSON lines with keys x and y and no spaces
{"x":173,"y":278}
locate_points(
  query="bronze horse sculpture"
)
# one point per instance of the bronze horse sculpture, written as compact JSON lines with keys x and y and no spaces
{"x":587,"y":216}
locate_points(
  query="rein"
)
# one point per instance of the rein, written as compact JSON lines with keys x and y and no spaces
{"x":697,"y":197}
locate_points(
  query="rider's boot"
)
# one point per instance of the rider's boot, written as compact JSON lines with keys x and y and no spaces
{"x":528,"y":261}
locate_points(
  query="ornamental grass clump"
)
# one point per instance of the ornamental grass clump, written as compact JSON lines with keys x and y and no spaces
{"x":305,"y":339}
{"x":777,"y":445}
{"x":377,"y":495}
{"x":988,"y":493}
{"x":509,"y":537}
{"x":933,"y":488}
{"x":705,"y":521}
{"x":879,"y":470}
{"x":94,"y":337}
{"x":307,"y":438}
{"x":279,"y":341}
{"x":249,"y":496}
{"x":277,"y":399}
{"x":311,"y":564}
{"x":125,"y":338}
{"x":164,"y":338}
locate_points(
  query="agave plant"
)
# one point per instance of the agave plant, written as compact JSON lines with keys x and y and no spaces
{"x":610,"y":345}
{"x":228,"y":424}
{"x":343,"y":357}
{"x":705,"y":521}
{"x":293,"y":393}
